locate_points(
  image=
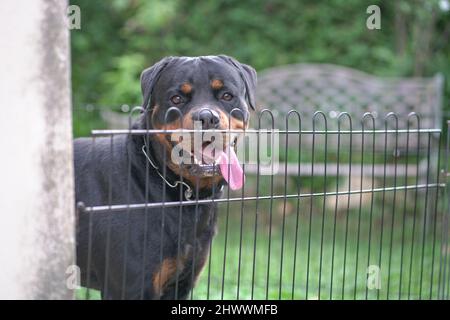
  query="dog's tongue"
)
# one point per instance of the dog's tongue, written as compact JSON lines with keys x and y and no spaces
{"x":231,"y":169}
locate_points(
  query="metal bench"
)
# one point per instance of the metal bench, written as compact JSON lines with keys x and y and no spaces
{"x":333,"y":89}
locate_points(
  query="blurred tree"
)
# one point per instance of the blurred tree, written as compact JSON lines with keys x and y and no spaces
{"x":120,"y":38}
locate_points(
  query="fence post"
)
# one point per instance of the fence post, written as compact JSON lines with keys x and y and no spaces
{"x":36,"y":184}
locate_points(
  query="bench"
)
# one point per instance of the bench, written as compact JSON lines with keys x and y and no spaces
{"x":333,"y":89}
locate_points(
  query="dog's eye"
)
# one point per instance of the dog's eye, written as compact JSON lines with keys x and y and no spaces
{"x":176,"y":100}
{"x":227,"y":96}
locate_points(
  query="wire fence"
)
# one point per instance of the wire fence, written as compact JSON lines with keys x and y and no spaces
{"x":345,"y":209}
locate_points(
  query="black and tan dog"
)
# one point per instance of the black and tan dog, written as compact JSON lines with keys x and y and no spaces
{"x":157,"y":253}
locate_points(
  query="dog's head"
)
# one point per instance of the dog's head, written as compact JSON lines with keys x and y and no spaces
{"x":208,"y":92}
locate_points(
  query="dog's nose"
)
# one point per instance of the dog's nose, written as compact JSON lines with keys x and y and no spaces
{"x":210,"y":119}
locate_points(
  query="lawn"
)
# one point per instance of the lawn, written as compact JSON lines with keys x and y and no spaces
{"x":331,"y":255}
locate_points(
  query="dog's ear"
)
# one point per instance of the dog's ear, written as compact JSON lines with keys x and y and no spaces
{"x":149,"y":77}
{"x":248,"y":75}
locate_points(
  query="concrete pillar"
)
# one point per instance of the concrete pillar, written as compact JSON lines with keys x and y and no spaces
{"x":36,"y":174}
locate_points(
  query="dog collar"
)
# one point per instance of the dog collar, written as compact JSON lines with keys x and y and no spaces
{"x":188,"y":193}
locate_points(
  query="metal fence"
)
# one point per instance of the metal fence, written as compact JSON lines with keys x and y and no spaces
{"x":347,"y":209}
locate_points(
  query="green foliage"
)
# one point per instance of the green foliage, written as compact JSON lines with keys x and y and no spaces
{"x":119,"y":39}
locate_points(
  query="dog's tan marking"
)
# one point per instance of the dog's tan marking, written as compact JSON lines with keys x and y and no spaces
{"x":237,"y":124}
{"x":232,"y":123}
{"x":217,"y":84}
{"x":186,"y":88}
{"x":165,"y":273}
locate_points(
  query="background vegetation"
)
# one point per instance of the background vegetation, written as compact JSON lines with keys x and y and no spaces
{"x":119,"y":38}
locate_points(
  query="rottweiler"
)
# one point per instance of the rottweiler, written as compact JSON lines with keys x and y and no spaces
{"x":159,"y":252}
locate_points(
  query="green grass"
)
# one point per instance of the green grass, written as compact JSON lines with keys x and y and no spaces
{"x":331,"y":255}
{"x":321,"y":261}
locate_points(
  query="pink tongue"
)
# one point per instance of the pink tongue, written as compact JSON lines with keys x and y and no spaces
{"x":236,"y":177}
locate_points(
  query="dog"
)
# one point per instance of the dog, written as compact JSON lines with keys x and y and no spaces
{"x":159,"y":252}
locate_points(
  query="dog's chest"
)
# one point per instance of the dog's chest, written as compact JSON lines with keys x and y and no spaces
{"x":188,"y":256}
{"x":198,"y":238}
